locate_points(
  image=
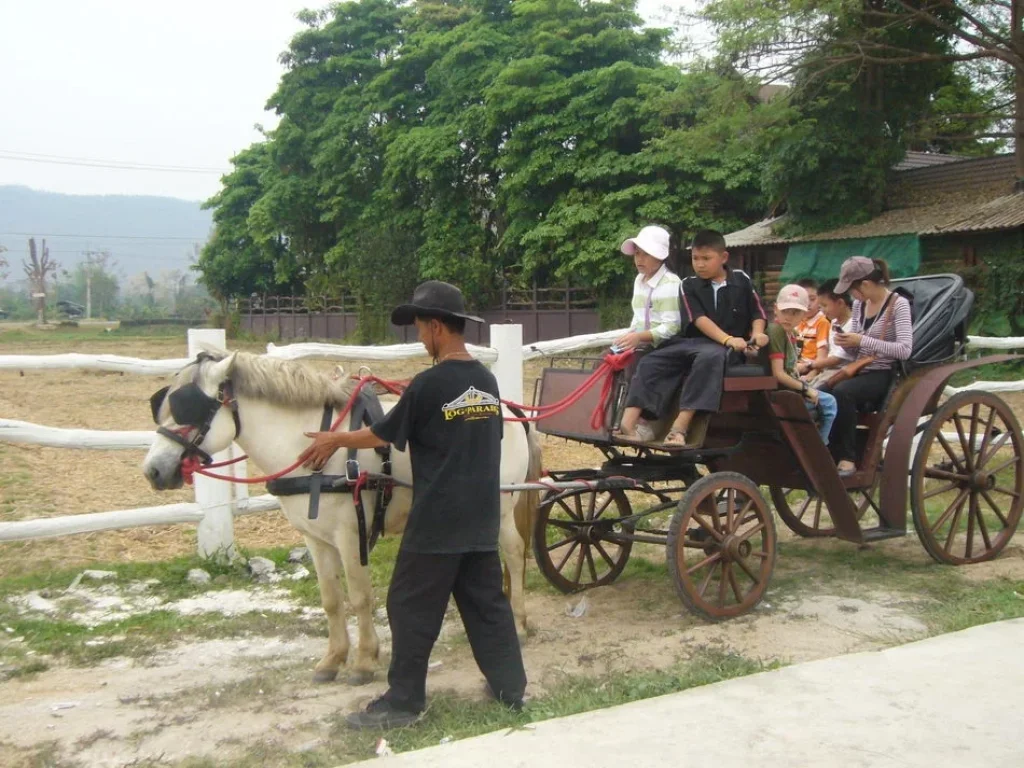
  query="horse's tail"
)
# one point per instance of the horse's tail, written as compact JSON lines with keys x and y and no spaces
{"x":529,"y":501}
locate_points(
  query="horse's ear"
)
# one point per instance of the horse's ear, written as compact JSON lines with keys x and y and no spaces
{"x":221,"y":370}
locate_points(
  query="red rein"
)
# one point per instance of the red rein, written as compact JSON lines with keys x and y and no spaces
{"x":610,"y":365}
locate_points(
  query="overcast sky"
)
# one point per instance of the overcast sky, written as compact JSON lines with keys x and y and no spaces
{"x":120,"y":82}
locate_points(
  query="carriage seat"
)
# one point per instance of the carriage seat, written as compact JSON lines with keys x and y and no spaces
{"x":745,"y":371}
{"x":754,"y":374}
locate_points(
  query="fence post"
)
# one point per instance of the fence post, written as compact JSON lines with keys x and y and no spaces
{"x":508,"y":368}
{"x":216,"y":532}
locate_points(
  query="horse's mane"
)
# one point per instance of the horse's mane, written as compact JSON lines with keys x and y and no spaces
{"x":285,"y":382}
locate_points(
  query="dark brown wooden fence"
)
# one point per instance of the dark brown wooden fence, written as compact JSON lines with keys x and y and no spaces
{"x":544,"y":313}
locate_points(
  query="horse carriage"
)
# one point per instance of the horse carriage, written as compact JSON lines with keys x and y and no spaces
{"x":958,"y":460}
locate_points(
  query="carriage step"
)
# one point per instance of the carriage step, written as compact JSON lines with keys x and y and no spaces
{"x":879,"y":533}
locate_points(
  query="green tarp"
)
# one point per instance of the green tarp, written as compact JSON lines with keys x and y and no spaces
{"x":822,"y":259}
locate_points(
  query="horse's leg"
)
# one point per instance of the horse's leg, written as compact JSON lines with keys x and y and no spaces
{"x":328,"y":574}
{"x":360,"y":598}
{"x":513,"y":551}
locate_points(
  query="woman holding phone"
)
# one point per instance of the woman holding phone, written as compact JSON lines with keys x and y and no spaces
{"x":880,"y":335}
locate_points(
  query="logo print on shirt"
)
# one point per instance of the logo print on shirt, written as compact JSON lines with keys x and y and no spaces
{"x":471,"y":405}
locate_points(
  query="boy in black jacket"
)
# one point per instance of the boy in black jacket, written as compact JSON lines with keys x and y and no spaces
{"x":722,"y":316}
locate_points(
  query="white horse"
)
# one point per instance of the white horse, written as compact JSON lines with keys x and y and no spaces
{"x":277,"y":401}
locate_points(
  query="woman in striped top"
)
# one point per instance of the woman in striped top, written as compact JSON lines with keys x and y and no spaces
{"x":881,"y":330}
{"x":655,"y":291}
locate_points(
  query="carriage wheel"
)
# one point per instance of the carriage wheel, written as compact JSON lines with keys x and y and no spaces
{"x":967,"y":481}
{"x":571,"y":539}
{"x":721,"y":546}
{"x":806,"y":513}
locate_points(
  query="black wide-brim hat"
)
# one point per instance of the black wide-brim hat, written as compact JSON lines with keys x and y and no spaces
{"x":433,"y":298}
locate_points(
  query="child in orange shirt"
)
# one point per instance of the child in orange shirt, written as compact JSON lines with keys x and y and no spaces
{"x":812,"y":332}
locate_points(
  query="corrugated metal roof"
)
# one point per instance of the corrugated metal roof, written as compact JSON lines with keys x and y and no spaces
{"x":756,"y":234}
{"x":956,"y":214}
{"x":923,"y":159}
{"x":1005,"y":212}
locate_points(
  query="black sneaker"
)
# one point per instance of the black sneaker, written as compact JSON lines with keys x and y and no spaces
{"x":380,"y":713}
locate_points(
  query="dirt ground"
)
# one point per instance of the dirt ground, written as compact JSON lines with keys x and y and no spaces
{"x":218,"y":697}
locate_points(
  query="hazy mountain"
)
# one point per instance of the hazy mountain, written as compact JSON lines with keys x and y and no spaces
{"x":143,"y":234}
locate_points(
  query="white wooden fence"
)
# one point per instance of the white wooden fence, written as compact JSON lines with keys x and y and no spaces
{"x":217,"y":503}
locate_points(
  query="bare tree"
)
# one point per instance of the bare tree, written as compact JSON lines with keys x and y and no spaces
{"x":786,"y":37}
{"x":37,"y":267}
{"x":3,"y":264}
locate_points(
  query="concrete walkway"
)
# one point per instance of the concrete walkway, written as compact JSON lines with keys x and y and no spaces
{"x":952,"y":700}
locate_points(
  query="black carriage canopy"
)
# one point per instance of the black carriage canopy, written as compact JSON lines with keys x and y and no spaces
{"x":941,"y":310}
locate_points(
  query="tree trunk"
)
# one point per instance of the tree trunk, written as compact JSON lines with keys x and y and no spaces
{"x":1017,"y":40}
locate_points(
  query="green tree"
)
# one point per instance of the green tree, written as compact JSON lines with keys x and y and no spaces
{"x":236,"y":261}
{"x":884,"y":74}
{"x":486,"y":142}
{"x":95,"y":277}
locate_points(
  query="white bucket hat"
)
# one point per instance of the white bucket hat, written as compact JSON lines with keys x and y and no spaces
{"x":651,"y":240}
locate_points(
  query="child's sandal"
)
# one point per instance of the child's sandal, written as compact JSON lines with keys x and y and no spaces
{"x":675,"y":440}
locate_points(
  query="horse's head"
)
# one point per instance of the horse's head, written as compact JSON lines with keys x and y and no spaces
{"x":196,"y":417}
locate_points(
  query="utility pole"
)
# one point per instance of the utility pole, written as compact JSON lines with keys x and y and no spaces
{"x":93,"y":259}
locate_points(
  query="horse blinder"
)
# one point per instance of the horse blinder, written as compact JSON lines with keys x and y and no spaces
{"x":156,"y":402}
{"x":192,"y":407}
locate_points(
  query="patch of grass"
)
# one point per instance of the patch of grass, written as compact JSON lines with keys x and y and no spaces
{"x":26,"y":668}
{"x":947,"y":600}
{"x":267,"y":681}
{"x":47,"y":755}
{"x":848,"y":570}
{"x":1008,"y":371}
{"x":149,"y":331}
{"x":976,"y":603}
{"x":451,"y":716}
{"x":16,"y":486}
{"x":140,"y":636}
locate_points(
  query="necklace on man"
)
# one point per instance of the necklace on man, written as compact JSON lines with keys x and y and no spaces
{"x":453,"y":354}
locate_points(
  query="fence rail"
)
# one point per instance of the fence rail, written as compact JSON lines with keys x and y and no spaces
{"x":216,"y":506}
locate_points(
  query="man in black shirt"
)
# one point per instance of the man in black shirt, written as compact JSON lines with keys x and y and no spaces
{"x":450,"y":418}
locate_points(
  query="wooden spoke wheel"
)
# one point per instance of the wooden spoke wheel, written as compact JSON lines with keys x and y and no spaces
{"x":580,"y":540}
{"x":721,"y":546}
{"x":967,"y":481}
{"x":806,"y":513}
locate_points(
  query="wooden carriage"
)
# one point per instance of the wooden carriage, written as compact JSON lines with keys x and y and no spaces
{"x":957,"y":461}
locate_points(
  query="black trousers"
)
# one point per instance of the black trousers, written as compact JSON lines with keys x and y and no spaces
{"x":657,"y":377}
{"x":417,"y":600}
{"x":863,"y":391}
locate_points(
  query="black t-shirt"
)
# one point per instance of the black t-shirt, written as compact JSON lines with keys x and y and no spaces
{"x":450,"y":418}
{"x":734,"y":307}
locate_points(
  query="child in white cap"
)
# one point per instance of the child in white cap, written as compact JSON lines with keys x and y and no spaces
{"x":656,"y":315}
{"x":655,"y":291}
{"x":791,"y":307}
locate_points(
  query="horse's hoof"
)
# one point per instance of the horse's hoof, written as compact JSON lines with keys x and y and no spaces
{"x":360,"y":677}
{"x":324,"y":675}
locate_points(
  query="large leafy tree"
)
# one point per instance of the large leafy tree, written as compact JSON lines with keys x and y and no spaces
{"x":485,"y":142}
{"x":871,"y":78}
{"x":241,"y":259}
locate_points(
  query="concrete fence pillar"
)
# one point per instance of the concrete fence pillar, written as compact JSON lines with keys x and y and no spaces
{"x":508,"y":369}
{"x":216,"y":532}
